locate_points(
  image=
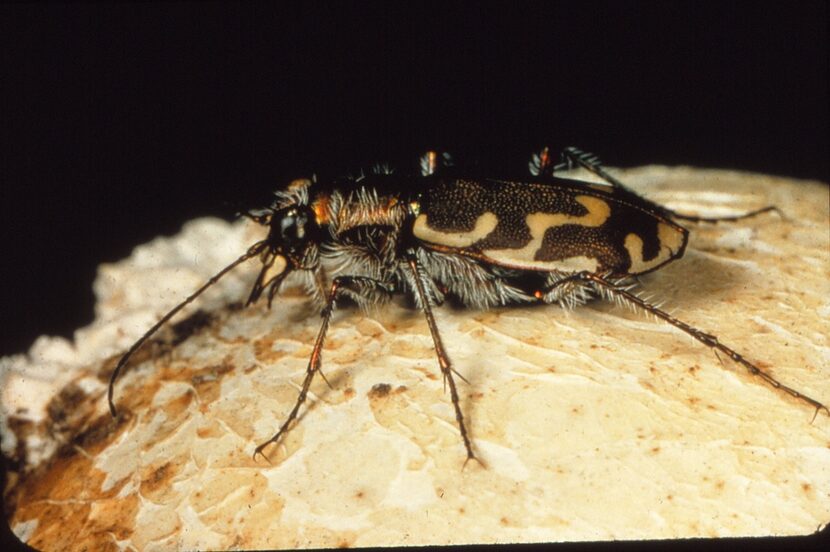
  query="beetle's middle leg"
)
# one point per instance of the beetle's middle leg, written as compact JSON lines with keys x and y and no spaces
{"x":608,"y":289}
{"x":443,"y":359}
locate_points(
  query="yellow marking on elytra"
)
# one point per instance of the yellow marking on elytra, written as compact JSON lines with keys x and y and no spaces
{"x":568,"y":265}
{"x":670,"y":243}
{"x":673,"y":238}
{"x":538,"y":223}
{"x":485,"y":224}
{"x":598,"y":212}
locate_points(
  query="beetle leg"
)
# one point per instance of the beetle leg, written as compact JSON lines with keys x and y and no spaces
{"x":572,"y":157}
{"x":433,"y":162}
{"x":541,"y":164}
{"x":609,"y":289}
{"x":727,"y":218}
{"x":338,"y":286}
{"x":443,"y":359}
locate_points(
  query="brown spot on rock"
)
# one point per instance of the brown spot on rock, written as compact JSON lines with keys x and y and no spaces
{"x":67,"y":493}
{"x":20,"y":427}
{"x":207,"y":380}
{"x":191,"y":325}
{"x":379,"y":391}
{"x":212,"y":430}
{"x":112,"y":516}
{"x":176,"y":408}
{"x":95,"y":437}
{"x":155,"y":480}
{"x":53,"y":520}
{"x":65,"y":403}
{"x":264,"y":352}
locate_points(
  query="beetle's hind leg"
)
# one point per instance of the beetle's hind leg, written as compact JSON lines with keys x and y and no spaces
{"x":574,"y":157}
{"x":542,"y":164}
{"x":433,"y":162}
{"x":611,"y":291}
{"x":566,"y":291}
{"x":726,"y":218}
{"x":340,"y":286}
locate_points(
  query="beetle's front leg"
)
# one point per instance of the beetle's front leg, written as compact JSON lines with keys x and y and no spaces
{"x":339,"y":286}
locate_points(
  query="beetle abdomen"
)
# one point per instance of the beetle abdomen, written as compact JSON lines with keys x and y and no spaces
{"x":561,"y":225}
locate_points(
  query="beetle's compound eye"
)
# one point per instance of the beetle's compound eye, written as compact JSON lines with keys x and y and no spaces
{"x":293,"y":226}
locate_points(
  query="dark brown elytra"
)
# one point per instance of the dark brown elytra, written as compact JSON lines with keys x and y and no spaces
{"x":480,"y":241}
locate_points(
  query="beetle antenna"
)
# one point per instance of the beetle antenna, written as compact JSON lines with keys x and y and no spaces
{"x":253,"y":251}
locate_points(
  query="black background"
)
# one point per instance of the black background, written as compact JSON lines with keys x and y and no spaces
{"x":120,"y":122}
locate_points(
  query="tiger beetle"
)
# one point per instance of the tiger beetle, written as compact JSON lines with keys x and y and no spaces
{"x":484,"y":242}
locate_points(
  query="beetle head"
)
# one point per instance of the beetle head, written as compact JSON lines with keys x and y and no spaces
{"x":293,"y":234}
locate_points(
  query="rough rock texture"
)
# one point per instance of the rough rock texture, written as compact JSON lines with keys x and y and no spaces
{"x":594,"y":424}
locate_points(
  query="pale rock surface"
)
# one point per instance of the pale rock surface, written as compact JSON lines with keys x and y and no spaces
{"x":594,"y":424}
